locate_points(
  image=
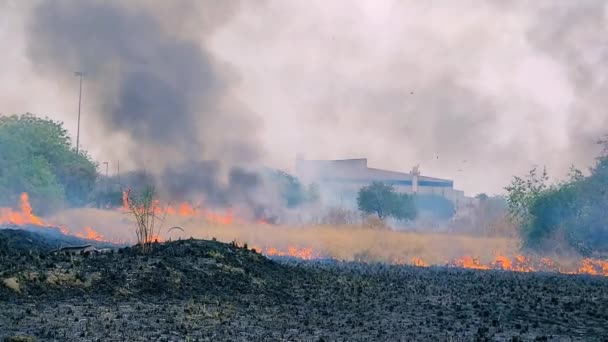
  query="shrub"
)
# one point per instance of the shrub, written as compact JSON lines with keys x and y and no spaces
{"x":573,"y":210}
{"x":148,"y":223}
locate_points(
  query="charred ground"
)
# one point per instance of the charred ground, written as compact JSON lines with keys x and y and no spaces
{"x":207,"y":290}
{"x":24,"y":239}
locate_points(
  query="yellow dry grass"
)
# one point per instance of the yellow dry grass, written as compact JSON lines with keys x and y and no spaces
{"x":340,"y":242}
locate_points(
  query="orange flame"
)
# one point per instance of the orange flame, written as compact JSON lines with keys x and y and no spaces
{"x":305,"y":253}
{"x":25,"y":216}
{"x":186,"y":209}
{"x":470,"y":262}
{"x":518,"y":263}
{"x":91,"y":234}
{"x":22,"y":217}
{"x":522,"y":263}
{"x":419,"y":262}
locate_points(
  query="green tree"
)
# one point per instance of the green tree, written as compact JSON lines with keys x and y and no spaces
{"x":382,"y":200}
{"x":36,"y":157}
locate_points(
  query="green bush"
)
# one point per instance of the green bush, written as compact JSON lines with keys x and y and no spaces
{"x":573,"y":210}
{"x":36,"y":157}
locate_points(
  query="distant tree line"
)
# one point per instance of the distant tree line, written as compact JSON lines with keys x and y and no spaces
{"x":572,"y":212}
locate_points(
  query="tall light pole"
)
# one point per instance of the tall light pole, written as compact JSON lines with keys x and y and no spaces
{"x":80,"y":75}
{"x":107,"y":179}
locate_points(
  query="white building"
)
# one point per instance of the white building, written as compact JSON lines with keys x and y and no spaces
{"x":340,"y":180}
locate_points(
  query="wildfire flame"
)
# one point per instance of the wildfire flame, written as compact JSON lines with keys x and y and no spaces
{"x":470,"y":262}
{"x":521,"y":263}
{"x":25,"y":216}
{"x":185,"y":209}
{"x":419,"y":262}
{"x":22,"y":217}
{"x":305,"y":253}
{"x":91,"y":234}
{"x":518,"y":263}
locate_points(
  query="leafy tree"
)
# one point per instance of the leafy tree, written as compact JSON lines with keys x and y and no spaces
{"x":382,"y":200}
{"x":36,"y":156}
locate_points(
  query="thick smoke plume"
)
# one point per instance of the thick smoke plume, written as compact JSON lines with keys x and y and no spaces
{"x":576,"y":35}
{"x":475,"y":92}
{"x":152,"y":80}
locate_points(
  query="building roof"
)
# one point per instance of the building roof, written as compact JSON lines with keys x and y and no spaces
{"x":353,"y":169}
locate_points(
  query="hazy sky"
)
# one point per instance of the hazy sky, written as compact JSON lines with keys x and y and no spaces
{"x":474,"y":91}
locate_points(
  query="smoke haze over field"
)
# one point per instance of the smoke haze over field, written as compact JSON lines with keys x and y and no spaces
{"x":157,"y":85}
{"x":473,"y":91}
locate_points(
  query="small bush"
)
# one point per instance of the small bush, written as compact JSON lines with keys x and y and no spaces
{"x":147,"y":214}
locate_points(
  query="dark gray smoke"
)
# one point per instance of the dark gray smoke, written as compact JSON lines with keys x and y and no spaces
{"x":576,"y":35}
{"x":473,"y":92}
{"x":187,"y":182}
{"x":150,"y":76}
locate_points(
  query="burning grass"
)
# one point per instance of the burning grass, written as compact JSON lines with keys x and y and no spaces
{"x":341,"y":242}
{"x":350,"y":243}
{"x":24,"y":215}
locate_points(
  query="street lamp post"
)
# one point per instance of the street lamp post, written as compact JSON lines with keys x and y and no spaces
{"x":107,"y":179}
{"x":79,"y":74}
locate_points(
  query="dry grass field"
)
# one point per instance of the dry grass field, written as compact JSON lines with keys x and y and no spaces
{"x":342,"y":242}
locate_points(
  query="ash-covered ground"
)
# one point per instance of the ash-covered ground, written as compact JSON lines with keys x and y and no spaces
{"x":210,"y":291}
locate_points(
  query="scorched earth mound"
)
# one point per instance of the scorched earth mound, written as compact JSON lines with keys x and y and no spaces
{"x":210,"y":291}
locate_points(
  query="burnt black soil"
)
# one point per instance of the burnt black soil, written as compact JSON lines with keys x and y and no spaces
{"x":206,"y":290}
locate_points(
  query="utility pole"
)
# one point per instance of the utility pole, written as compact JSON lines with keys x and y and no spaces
{"x":79,"y":74}
{"x":107,"y":179}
